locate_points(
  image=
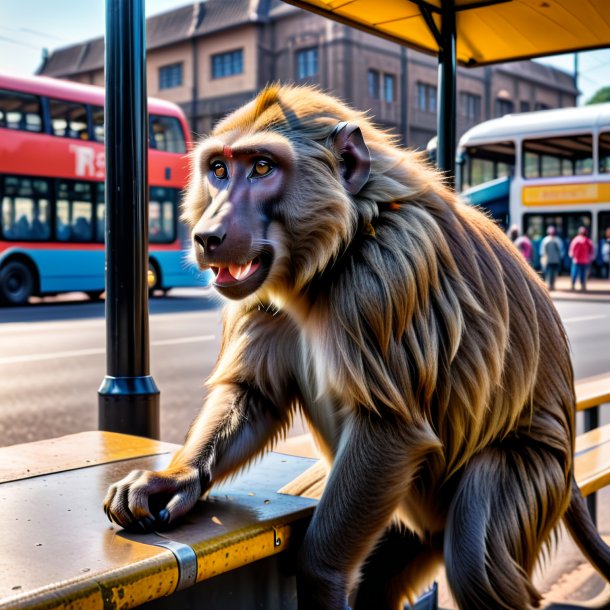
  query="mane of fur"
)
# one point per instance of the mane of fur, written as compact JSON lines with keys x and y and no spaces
{"x":435,"y":317}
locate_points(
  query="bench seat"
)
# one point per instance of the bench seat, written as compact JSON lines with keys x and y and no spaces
{"x":58,"y":550}
{"x":592,"y":461}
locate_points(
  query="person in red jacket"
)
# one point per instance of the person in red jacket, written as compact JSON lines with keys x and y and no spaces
{"x":582,"y":252}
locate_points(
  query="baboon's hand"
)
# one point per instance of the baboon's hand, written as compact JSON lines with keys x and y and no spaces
{"x":145,"y":501}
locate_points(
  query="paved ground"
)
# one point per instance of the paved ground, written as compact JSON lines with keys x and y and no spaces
{"x":597,"y":289}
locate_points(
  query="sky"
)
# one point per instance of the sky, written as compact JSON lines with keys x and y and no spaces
{"x":28,"y":26}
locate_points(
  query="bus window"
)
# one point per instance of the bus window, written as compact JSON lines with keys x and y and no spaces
{"x":20,"y":111}
{"x":97,"y":116}
{"x":162,"y":215}
{"x":535,"y":226}
{"x":74,"y":211}
{"x":560,"y":156}
{"x":166,"y":134}
{"x":68,"y":120}
{"x":487,"y":162}
{"x":25,"y":209}
{"x":604,"y":153}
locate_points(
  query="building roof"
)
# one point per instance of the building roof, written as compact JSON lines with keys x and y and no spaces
{"x":538,"y":72}
{"x":178,"y":25}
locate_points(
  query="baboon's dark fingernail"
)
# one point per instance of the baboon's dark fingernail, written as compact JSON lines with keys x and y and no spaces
{"x":163,"y":517}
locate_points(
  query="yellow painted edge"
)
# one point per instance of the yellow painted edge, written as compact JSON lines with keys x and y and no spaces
{"x":71,"y":597}
{"x":218,"y":559}
{"x":130,"y":586}
{"x":133,"y":587}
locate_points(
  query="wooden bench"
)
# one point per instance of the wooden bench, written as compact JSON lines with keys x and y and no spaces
{"x":57,"y":550}
{"x":592,"y":462}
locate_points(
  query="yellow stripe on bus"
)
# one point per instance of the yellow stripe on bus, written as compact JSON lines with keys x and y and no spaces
{"x":566,"y":194}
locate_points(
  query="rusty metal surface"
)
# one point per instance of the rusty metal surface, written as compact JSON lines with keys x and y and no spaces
{"x":59,"y":550}
{"x":74,"y":451}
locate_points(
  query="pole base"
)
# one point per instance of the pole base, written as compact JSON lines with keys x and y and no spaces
{"x":129,"y":405}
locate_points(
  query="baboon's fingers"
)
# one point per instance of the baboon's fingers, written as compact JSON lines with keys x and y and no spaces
{"x":140,"y":501}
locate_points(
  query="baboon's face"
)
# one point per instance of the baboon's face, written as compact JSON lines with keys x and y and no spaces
{"x":271,"y":205}
{"x":245,"y":181}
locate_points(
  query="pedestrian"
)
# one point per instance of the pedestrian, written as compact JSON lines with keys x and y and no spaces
{"x":605,"y":254}
{"x":582,"y":252}
{"x":551,"y":255}
{"x":523,"y":243}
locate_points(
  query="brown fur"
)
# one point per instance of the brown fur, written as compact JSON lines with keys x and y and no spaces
{"x":425,"y":353}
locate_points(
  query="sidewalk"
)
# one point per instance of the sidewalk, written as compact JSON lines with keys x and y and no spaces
{"x":597,"y":290}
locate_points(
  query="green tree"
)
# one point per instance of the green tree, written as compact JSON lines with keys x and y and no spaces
{"x":600,"y":96}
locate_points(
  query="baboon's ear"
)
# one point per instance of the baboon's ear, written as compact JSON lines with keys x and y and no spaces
{"x":347,"y":140}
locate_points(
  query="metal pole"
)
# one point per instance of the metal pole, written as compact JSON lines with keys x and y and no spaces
{"x":128,"y":397}
{"x":447,"y":71}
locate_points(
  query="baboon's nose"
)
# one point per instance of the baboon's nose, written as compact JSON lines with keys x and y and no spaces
{"x":209,"y":241}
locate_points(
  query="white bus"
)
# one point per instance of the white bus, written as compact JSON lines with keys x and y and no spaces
{"x":538,"y":169}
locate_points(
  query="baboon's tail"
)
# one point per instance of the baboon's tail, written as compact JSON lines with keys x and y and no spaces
{"x":585,"y":534}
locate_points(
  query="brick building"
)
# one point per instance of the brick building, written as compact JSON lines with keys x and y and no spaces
{"x":210,"y":57}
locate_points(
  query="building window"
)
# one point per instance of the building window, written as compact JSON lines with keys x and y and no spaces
{"x":426,"y":97}
{"x":524,"y":106}
{"x":471,"y":106}
{"x":541,"y":106}
{"x":170,"y":76}
{"x":307,"y":63}
{"x":389,"y":88}
{"x":503,"y":107}
{"x":228,"y":64}
{"x":374,"y":84}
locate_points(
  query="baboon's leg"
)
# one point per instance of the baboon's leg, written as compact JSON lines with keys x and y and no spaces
{"x":394,"y":569}
{"x":363,"y":491}
{"x":508,"y":501}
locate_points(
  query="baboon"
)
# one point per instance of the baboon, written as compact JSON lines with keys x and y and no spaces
{"x":425,"y":353}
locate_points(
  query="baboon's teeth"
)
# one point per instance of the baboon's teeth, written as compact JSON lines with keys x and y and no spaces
{"x":240,"y":271}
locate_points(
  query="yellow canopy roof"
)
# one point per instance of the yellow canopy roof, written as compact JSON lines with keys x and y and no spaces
{"x":488,"y":31}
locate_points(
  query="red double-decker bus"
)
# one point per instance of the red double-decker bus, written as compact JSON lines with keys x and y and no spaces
{"x":52,"y":174}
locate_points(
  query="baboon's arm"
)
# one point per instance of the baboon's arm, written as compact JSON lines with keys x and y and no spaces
{"x":251,"y":400}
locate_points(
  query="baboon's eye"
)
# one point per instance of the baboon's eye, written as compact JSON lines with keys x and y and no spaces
{"x":219,"y":169}
{"x":261,"y":168}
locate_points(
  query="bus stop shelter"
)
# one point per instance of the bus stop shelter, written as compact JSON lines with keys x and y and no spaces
{"x":473,"y":33}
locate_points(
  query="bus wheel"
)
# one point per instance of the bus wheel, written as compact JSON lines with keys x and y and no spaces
{"x":154,"y":278}
{"x":16,"y":283}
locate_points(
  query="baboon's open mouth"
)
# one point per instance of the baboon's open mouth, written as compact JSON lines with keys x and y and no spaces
{"x":236,"y":281}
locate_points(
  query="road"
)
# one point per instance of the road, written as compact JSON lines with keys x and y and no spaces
{"x":52,"y":360}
